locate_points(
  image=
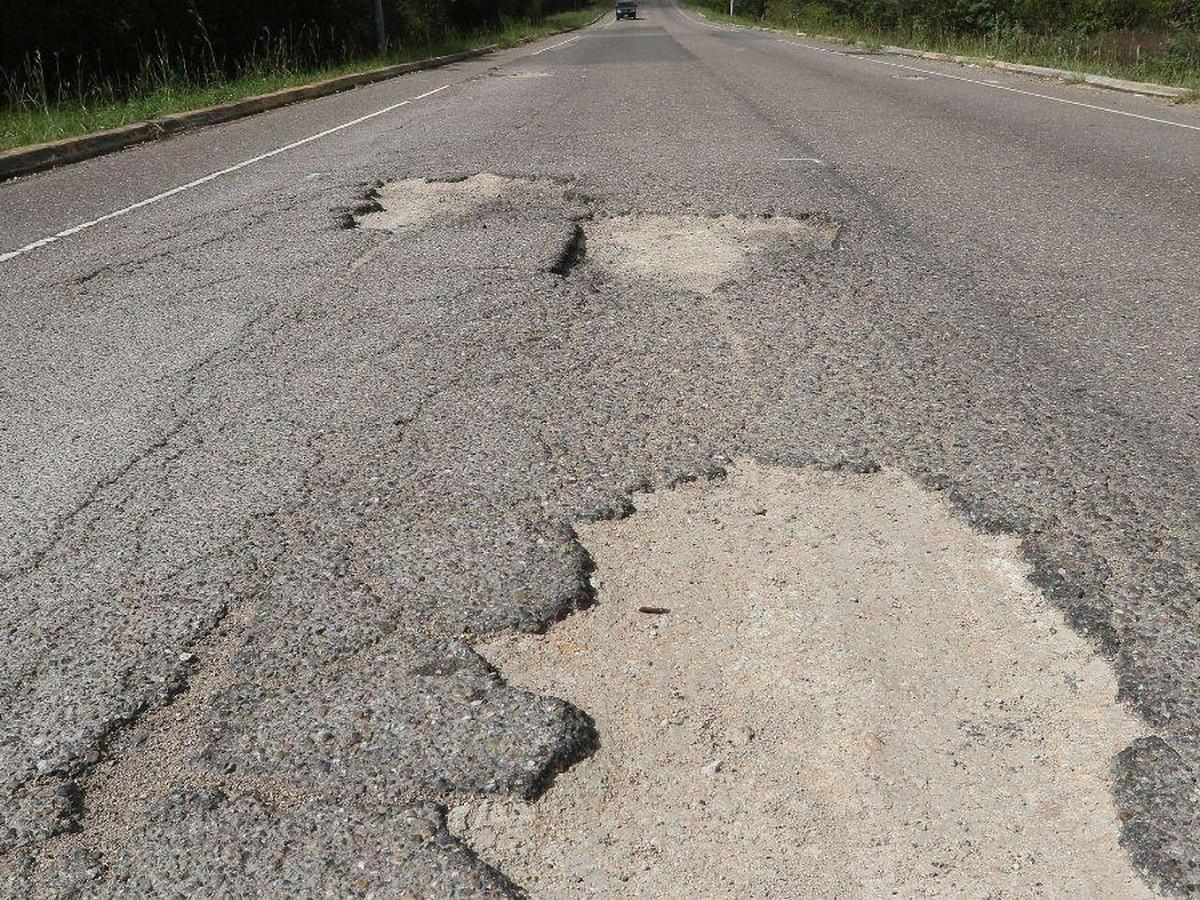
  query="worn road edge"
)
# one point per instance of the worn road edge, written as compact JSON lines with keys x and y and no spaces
{"x":1067,"y":75}
{"x":39,"y":157}
{"x":1101,"y":81}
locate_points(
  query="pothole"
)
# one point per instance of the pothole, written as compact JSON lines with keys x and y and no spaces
{"x":698,"y":253}
{"x":816,"y":683}
{"x":417,"y":202}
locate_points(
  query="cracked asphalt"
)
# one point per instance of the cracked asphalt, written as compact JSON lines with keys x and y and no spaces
{"x":266,"y":478}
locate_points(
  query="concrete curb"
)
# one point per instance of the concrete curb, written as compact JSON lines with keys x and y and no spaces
{"x":1101,"y":81}
{"x":38,"y":157}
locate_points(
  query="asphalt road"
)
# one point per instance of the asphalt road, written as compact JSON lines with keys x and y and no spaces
{"x":265,"y":477}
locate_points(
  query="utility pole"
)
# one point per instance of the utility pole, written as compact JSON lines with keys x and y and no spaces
{"x":381,"y":28}
{"x":731,"y":9}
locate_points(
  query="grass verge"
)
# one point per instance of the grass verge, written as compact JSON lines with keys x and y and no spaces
{"x":35,"y":123}
{"x":1167,"y":59}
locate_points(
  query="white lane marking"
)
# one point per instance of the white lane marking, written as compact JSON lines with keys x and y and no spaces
{"x":992,"y":84}
{"x":211,"y":176}
{"x":555,"y":46}
{"x":808,"y":159}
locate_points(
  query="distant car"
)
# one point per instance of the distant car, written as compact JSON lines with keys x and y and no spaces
{"x":626,"y":9}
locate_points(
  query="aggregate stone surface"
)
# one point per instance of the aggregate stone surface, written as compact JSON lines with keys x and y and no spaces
{"x":241,"y":845}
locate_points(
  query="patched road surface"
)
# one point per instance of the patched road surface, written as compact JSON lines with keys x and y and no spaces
{"x":665,"y":457}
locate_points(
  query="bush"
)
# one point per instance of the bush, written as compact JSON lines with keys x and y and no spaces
{"x":978,"y":17}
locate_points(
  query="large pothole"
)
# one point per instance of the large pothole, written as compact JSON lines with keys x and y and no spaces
{"x":698,"y":253}
{"x":816,"y":684}
{"x":417,"y":202}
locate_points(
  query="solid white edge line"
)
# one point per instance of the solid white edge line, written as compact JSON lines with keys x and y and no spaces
{"x":555,"y":47}
{"x":992,"y":84}
{"x":987,"y":84}
{"x":211,"y":176}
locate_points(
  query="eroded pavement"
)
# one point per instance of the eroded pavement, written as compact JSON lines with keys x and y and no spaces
{"x":821,"y":684}
{"x":302,"y":649}
{"x":270,"y":479}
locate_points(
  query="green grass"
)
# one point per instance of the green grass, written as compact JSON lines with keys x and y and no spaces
{"x":161,"y":91}
{"x":1155,"y":57}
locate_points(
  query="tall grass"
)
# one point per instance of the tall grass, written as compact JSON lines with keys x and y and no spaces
{"x":39,"y":84}
{"x":46,"y":100}
{"x":1168,"y":55}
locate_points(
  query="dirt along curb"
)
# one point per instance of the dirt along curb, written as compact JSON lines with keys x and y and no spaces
{"x":1146,"y":88}
{"x":1101,"y":81}
{"x":38,"y":157}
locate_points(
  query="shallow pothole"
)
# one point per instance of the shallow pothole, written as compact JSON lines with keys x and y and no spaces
{"x":418,"y":202}
{"x":698,"y":253}
{"x":815,"y":683}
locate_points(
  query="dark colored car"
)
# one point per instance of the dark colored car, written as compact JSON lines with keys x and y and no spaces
{"x":626,"y":9}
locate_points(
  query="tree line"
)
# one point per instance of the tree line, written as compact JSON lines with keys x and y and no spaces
{"x":981,"y":16}
{"x":72,"y":44}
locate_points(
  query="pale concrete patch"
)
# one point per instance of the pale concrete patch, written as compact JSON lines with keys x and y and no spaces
{"x":852,"y":694}
{"x":697,"y":253}
{"x":415,"y":202}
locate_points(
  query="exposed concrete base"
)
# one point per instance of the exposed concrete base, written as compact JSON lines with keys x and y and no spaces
{"x":416,"y":202}
{"x":698,"y":253}
{"x":816,"y":684}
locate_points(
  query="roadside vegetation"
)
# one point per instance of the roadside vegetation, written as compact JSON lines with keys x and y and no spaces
{"x":1143,"y":40}
{"x":77,"y":66}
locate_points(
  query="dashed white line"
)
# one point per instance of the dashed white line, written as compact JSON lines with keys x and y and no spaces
{"x":211,"y":176}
